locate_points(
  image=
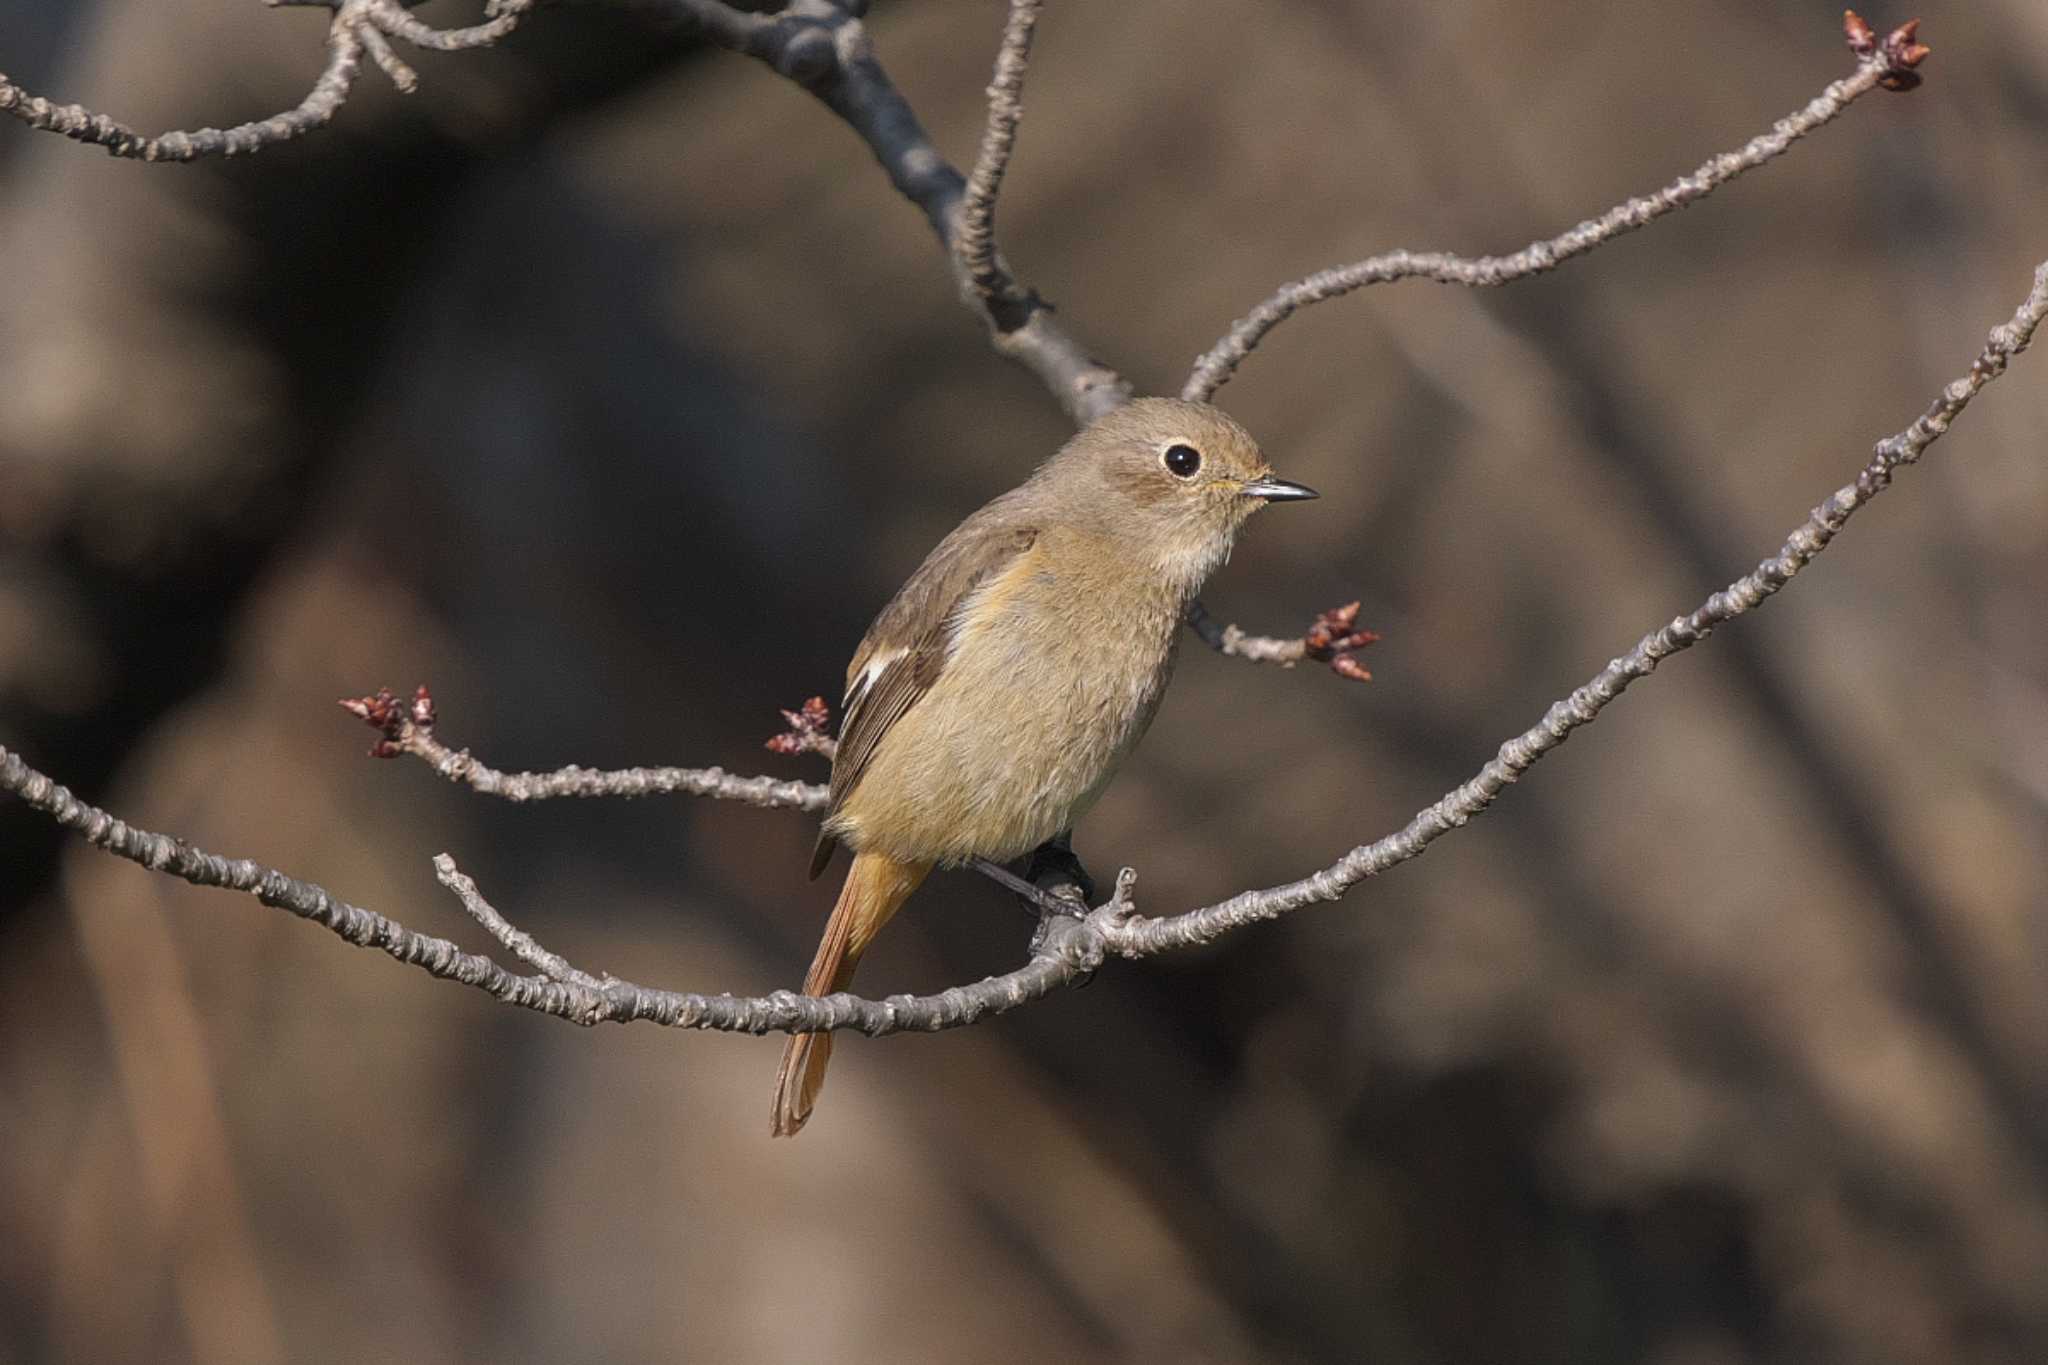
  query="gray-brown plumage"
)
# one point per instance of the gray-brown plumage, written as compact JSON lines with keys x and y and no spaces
{"x":994,"y":696}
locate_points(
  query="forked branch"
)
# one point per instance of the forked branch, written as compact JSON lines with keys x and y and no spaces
{"x":358,"y":27}
{"x":974,"y":239}
{"x":407,"y":726}
{"x":823,"y":46}
{"x":1067,"y":948}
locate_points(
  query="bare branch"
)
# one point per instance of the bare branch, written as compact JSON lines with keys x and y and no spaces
{"x":407,"y":726}
{"x":1141,"y":938}
{"x":395,"y":68}
{"x":1067,"y":951}
{"x":1885,"y":64}
{"x":974,"y":240}
{"x":824,"y":47}
{"x":809,"y":732}
{"x":344,"y":60}
{"x":392,"y":18}
{"x":1333,"y":638}
{"x":1067,"y":948}
{"x":359,"y":26}
{"x":553,"y":965}
{"x":409,"y":729}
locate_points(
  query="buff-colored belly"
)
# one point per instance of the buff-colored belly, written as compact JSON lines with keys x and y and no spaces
{"x":1023,"y":729}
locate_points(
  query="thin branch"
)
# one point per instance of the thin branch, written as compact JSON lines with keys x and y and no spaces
{"x":974,"y":241}
{"x":504,"y":16}
{"x":1141,"y":938}
{"x":359,"y":26}
{"x":1067,"y":948}
{"x":553,"y":965}
{"x":408,"y":728}
{"x":322,"y":102}
{"x":395,"y":68}
{"x":1333,"y":638}
{"x":1888,"y":64}
{"x":809,"y":731}
{"x":824,"y":47}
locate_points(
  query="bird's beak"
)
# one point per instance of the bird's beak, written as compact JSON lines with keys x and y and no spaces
{"x":1276,"y":490}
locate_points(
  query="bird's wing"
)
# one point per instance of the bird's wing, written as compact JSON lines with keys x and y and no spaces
{"x":906,"y":649}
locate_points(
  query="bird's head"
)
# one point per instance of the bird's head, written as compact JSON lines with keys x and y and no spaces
{"x":1172,"y":480}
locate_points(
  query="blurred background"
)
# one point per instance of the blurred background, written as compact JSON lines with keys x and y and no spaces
{"x":606,"y":386}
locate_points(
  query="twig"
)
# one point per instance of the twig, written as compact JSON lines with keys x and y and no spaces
{"x":1141,"y":938}
{"x":392,"y":18}
{"x":1889,"y":64}
{"x":553,"y":965}
{"x":824,"y":47}
{"x":1333,"y":638}
{"x":408,"y":728}
{"x":974,"y":240}
{"x":344,"y":61}
{"x":1068,"y":948}
{"x":358,"y":26}
{"x":809,"y":732}
{"x":395,"y":68}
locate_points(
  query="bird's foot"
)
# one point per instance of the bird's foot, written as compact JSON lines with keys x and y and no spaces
{"x":1055,"y":870}
{"x":1063,"y":889}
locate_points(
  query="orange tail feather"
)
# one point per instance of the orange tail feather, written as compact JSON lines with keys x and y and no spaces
{"x":876,"y":886}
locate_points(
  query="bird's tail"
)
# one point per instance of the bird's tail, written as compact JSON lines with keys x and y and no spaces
{"x":875,"y":887}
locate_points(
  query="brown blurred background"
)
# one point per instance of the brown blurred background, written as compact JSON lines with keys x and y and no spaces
{"x":605,"y":385}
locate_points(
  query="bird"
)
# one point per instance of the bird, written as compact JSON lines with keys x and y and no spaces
{"x":996,"y":693}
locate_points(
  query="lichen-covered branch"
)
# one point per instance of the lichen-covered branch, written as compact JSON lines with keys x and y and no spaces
{"x":1889,"y":64}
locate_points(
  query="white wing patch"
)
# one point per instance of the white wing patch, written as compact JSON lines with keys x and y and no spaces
{"x":865,"y":681}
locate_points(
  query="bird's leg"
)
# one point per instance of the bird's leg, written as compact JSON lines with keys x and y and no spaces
{"x":1054,"y":882}
{"x":1062,"y":888}
{"x":1054,"y":869}
{"x":1036,"y":899}
{"x":1054,"y":886}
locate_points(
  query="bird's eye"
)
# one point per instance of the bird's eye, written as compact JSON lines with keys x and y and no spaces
{"x":1182,"y":461}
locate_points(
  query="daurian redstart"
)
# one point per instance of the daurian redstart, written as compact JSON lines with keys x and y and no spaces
{"x":993,"y":698}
